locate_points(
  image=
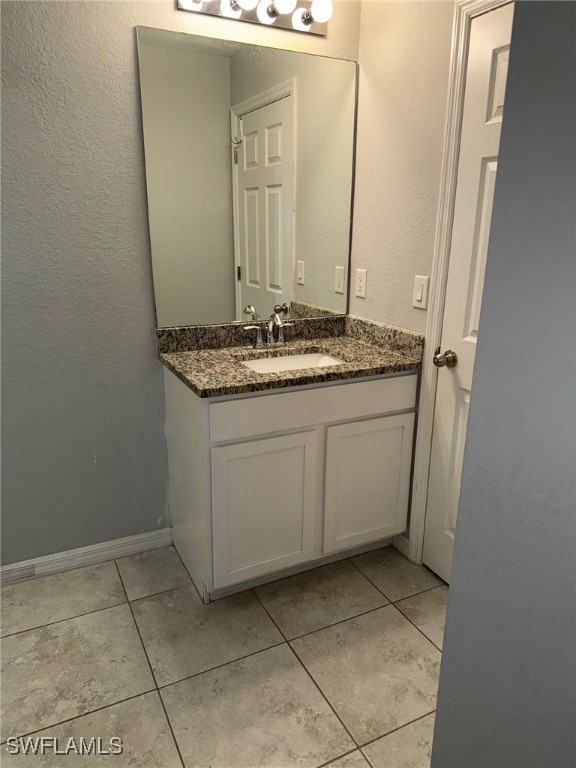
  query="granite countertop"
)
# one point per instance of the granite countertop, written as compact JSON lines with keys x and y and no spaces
{"x":217,"y":372}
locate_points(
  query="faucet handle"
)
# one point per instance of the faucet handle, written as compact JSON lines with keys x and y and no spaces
{"x":284,"y":308}
{"x":258,"y":329}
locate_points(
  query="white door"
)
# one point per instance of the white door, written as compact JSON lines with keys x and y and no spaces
{"x":263,"y":207}
{"x":263,"y":506}
{"x":367,"y":480}
{"x":486,"y":73}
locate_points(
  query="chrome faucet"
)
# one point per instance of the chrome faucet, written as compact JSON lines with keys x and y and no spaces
{"x":276,"y":326}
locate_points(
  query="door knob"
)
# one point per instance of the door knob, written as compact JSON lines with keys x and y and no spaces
{"x":448,"y":359}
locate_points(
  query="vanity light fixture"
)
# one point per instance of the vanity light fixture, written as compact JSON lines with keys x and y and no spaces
{"x":310,"y":16}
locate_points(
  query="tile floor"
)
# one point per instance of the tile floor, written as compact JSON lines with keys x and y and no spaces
{"x":333,"y":667}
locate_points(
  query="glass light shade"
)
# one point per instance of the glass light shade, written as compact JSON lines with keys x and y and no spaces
{"x":322,"y":10}
{"x":285,"y":6}
{"x":191,"y":5}
{"x":297,"y":20}
{"x":227,"y":10}
{"x":262,"y":12}
{"x":247,"y":5}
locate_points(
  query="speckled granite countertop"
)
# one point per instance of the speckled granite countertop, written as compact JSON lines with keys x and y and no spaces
{"x":217,"y":372}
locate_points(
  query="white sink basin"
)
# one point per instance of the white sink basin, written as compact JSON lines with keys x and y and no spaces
{"x":291,"y":362}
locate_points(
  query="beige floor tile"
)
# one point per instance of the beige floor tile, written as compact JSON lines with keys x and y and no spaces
{"x":318,"y":598}
{"x":428,"y":612}
{"x":156,"y":570}
{"x":64,"y":670}
{"x":392,"y":573}
{"x":31,"y":604}
{"x":263,"y":711}
{"x":378,"y":671}
{"x":353,"y":760}
{"x":409,"y":747}
{"x":140,"y":723}
{"x":184,"y":637}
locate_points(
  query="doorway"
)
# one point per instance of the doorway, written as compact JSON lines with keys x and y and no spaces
{"x":478,"y":84}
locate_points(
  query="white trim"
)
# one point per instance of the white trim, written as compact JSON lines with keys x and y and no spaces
{"x":264,"y":98}
{"x":75,"y":558}
{"x":465,"y":12}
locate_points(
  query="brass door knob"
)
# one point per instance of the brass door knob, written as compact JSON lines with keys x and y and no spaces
{"x":448,"y":359}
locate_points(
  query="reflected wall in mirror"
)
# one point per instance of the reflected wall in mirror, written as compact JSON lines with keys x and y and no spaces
{"x":249,"y":170}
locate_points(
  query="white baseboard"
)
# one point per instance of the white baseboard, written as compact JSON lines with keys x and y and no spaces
{"x":402,"y":544}
{"x":75,"y":558}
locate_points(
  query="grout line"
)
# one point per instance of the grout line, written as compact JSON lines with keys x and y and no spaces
{"x":83,"y":714}
{"x":307,"y":672}
{"x":418,"y":628}
{"x":394,"y":730}
{"x":340,"y":757}
{"x":219,"y":666}
{"x":341,"y":621}
{"x":60,"y":621}
{"x":392,"y":602}
{"x":150,"y":666}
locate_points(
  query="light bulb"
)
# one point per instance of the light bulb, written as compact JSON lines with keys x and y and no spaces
{"x":285,"y":6}
{"x":247,"y":5}
{"x":262,"y":12}
{"x":191,"y":5}
{"x":322,"y":10}
{"x":298,"y":20}
{"x":227,"y":10}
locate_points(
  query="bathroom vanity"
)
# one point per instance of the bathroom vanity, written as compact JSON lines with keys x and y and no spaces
{"x":276,"y":471}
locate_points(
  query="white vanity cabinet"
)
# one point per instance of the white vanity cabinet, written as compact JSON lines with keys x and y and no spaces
{"x":261,"y":483}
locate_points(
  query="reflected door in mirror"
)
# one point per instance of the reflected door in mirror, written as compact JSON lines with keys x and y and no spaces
{"x":263,"y":178}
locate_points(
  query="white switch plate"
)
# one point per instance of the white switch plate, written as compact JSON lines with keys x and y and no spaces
{"x":339,"y":280}
{"x":420,"y":294}
{"x":300,"y":272}
{"x":361,"y":283}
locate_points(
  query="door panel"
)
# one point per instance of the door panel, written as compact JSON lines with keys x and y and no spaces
{"x":486,"y":72}
{"x":264,"y":180}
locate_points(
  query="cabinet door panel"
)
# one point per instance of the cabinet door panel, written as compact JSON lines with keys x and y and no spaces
{"x":367,"y":481}
{"x":264,"y":495}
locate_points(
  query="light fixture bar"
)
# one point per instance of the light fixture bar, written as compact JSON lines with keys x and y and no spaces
{"x":300,"y":19}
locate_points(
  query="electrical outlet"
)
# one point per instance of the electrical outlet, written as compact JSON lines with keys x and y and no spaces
{"x":339,"y":280}
{"x":361,"y":283}
{"x":300,"y":272}
{"x":420,"y":294}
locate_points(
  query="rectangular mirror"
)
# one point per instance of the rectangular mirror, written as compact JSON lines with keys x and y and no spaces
{"x":249,"y":170}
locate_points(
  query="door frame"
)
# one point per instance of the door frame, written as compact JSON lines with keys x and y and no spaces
{"x":262,"y":99}
{"x":465,"y":11}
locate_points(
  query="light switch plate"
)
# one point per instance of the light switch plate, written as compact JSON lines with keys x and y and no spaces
{"x":420,"y":294}
{"x":339,"y":280}
{"x":361,"y":283}
{"x":300,"y":272}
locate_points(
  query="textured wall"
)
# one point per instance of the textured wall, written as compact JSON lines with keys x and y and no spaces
{"x":508,"y":681}
{"x":84,"y":450}
{"x":404,"y":60}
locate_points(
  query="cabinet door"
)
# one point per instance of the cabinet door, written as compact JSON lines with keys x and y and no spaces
{"x":263,"y":506}
{"x":367,"y":481}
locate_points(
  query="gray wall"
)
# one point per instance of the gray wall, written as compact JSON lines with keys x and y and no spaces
{"x":84,"y":453}
{"x":508,"y":679}
{"x":186,"y":119}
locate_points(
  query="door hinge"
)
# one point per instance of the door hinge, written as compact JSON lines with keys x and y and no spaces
{"x":239,"y":273}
